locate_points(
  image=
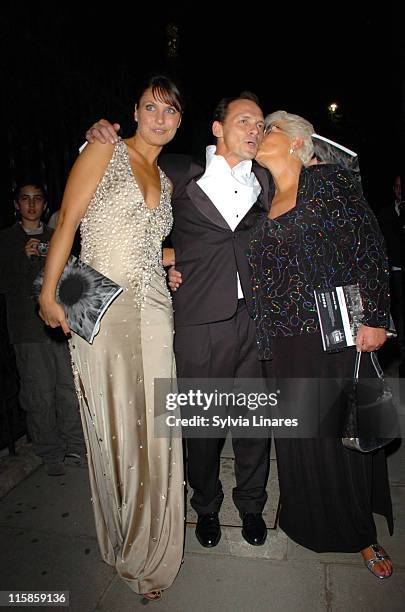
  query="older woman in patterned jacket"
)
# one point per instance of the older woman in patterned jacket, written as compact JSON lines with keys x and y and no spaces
{"x":319,"y":233}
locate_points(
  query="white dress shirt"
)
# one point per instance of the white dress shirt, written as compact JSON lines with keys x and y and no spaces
{"x":233,"y":191}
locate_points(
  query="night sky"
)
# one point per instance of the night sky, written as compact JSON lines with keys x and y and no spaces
{"x":64,"y":65}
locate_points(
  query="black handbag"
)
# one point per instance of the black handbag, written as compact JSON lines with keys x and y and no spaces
{"x":371,"y":419}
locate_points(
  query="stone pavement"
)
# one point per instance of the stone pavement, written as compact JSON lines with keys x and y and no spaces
{"x":48,"y":543}
{"x":14,"y":468}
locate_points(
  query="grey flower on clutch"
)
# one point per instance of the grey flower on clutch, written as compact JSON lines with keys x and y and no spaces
{"x":85,"y":295}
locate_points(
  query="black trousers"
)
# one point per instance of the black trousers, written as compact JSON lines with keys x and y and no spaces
{"x":48,"y":396}
{"x":224,"y":349}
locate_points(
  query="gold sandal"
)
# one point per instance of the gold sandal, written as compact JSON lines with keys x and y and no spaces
{"x":379,"y":555}
{"x":153,"y":595}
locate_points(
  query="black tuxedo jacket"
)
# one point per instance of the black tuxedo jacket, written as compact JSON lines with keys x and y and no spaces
{"x":208,"y":252}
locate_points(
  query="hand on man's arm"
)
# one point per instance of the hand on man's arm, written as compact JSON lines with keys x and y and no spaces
{"x":175,"y":278}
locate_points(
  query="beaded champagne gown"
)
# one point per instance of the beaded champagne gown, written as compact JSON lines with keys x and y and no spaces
{"x":136,"y":480}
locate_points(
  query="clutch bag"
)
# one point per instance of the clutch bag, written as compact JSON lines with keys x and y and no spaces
{"x":85,"y":295}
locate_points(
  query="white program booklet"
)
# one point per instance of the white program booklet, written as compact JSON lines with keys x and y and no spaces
{"x":340,"y":312}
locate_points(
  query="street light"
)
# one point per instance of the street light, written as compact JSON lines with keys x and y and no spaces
{"x":333,"y":109}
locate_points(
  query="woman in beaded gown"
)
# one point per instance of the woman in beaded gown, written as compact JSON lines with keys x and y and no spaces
{"x":319,"y":233}
{"x":122,"y":200}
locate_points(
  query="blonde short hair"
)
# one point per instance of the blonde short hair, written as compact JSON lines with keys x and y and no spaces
{"x":296,"y":127}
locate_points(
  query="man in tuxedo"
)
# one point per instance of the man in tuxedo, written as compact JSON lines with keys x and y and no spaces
{"x":215,"y":204}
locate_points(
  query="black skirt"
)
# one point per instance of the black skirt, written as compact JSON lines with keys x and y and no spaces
{"x":328,"y":493}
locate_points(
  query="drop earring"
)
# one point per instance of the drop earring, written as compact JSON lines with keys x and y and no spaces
{"x":291,"y":151}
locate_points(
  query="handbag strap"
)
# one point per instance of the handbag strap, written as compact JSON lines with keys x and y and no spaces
{"x":357,"y":366}
{"x":374,"y":361}
{"x":376,"y":364}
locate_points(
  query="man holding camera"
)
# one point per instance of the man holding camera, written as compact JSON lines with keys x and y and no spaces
{"x":47,"y":391}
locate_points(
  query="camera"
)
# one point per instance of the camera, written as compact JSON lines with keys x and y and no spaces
{"x":42,"y":249}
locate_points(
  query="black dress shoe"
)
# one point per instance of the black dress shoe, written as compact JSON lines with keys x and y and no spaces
{"x":208,"y":530}
{"x":254,"y":529}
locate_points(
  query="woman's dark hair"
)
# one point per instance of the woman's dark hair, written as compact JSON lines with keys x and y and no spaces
{"x":223,"y":105}
{"x":33,"y":183}
{"x":164,"y":89}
